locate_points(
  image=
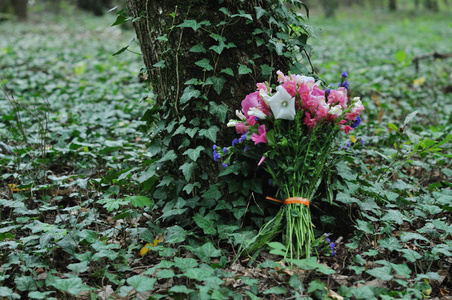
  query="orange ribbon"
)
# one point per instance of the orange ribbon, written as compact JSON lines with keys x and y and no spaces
{"x":291,"y":200}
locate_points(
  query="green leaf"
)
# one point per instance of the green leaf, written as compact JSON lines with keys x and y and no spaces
{"x":312,"y":264}
{"x":72,"y":285}
{"x":79,"y":267}
{"x":390,"y":243}
{"x":228,"y":71}
{"x":194,"y":154}
{"x":409,"y":118}
{"x":25,"y":283}
{"x":212,"y":193}
{"x":180,"y":289}
{"x":394,"y":216}
{"x":160,"y":64}
{"x":206,"y":251}
{"x":218,"y":110}
{"x":188,"y":169}
{"x":407,"y":236}
{"x":206,"y":225}
{"x":189,"y":93}
{"x":191,"y":24}
{"x":259,"y":12}
{"x":402,"y":270}
{"x":383,"y":273}
{"x":210,"y":133}
{"x":184,"y":264}
{"x":218,"y":83}
{"x":140,"y":201}
{"x":198,"y":48}
{"x":205,"y":64}
{"x":400,"y":56}
{"x":244,"y":70}
{"x":175,"y":234}
{"x":277,"y":290}
{"x":141,"y":283}
{"x":165,"y":274}
{"x":267,"y":70}
{"x":197,"y":274}
{"x":363,"y":292}
{"x":169,"y":156}
{"x":393,"y":127}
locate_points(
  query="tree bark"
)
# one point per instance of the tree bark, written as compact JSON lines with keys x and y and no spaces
{"x":392,"y":5}
{"x":20,"y":9}
{"x":163,"y":42}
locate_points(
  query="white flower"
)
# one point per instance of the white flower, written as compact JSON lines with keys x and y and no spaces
{"x":255,"y":111}
{"x":282,"y":104}
{"x":232,"y":123}
{"x":240,"y":115}
{"x":263,"y":94}
{"x":335,"y":110}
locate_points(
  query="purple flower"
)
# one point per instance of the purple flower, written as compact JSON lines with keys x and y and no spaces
{"x":344,"y":84}
{"x":246,"y":149}
{"x":235,"y":142}
{"x":362,"y":141}
{"x":214,"y":147}
{"x":243,"y":137}
{"x":224,"y":165}
{"x":356,"y":122}
{"x":348,"y":144}
{"x":225,"y":150}
{"x":344,"y":74}
{"x":216,"y":155}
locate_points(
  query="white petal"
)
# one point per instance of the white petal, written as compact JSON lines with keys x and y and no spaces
{"x":254,"y":111}
{"x":282,"y":104}
{"x":240,"y":115}
{"x":232,"y":123}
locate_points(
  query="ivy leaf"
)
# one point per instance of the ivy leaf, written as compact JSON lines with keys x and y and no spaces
{"x":180,"y":289}
{"x":189,"y":92}
{"x":402,"y":270}
{"x":169,"y":156}
{"x":267,"y":70}
{"x":259,"y":12}
{"x":409,"y":118}
{"x":406,"y":236}
{"x":141,"y":283}
{"x":205,"y":64}
{"x":198,"y":48}
{"x":184,"y":264}
{"x":363,"y":292}
{"x":25,"y":283}
{"x":191,"y":24}
{"x":275,"y":291}
{"x":394,"y":215}
{"x":228,"y":71}
{"x":383,"y":273}
{"x":197,"y":274}
{"x":212,"y":193}
{"x":79,"y":267}
{"x":140,"y":201}
{"x":206,"y":251}
{"x":188,"y":169}
{"x":218,"y":83}
{"x":205,"y":224}
{"x":218,"y":110}
{"x":244,"y":70}
{"x":71,"y":285}
{"x":210,"y":133}
{"x":194,"y":154}
{"x":175,"y":234}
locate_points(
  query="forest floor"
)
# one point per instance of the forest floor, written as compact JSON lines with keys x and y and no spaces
{"x":74,"y":216}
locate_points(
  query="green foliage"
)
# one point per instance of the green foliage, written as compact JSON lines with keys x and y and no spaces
{"x":79,"y":142}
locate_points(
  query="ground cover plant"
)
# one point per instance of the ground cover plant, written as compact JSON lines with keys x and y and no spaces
{"x":79,"y":218}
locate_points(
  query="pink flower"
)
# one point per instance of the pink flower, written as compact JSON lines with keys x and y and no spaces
{"x":261,"y":86}
{"x":311,"y":123}
{"x":261,"y":137}
{"x":290,"y":87}
{"x":251,"y":120}
{"x":346,"y":128}
{"x":241,"y":128}
{"x":316,"y":91}
{"x":254,"y":100}
{"x":261,"y":161}
{"x":321,"y":111}
{"x":338,"y":96}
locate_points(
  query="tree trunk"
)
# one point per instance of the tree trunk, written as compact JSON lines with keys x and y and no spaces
{"x":20,"y":9}
{"x":392,"y":5}
{"x":329,"y":7}
{"x":176,"y":62}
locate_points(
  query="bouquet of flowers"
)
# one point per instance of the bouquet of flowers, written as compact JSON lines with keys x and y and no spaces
{"x":291,"y":133}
